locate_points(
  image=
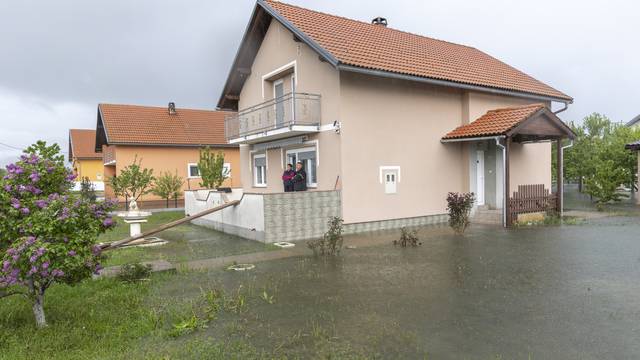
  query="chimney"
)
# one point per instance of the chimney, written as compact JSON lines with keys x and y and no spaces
{"x":379,"y":21}
{"x":172,"y":108}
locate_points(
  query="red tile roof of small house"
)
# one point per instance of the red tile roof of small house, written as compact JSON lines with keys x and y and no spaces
{"x":378,"y":47}
{"x":149,"y":125}
{"x":495,"y":122}
{"x":82,"y":144}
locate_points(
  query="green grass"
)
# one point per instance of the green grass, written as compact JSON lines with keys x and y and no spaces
{"x":121,"y":230}
{"x":109,"y":319}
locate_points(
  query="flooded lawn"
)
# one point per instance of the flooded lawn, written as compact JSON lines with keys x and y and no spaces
{"x":186,"y":242}
{"x":543,"y":292}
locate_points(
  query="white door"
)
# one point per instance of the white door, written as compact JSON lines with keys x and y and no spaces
{"x":390,"y":182}
{"x":480,"y":177}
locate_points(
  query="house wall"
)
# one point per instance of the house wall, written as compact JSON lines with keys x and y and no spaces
{"x":387,"y":122}
{"x":173,"y":159}
{"x":90,"y":168}
{"x":313,"y":76}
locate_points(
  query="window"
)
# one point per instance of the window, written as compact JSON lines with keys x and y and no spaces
{"x":260,"y":170}
{"x":226,"y":170}
{"x":308,"y":158}
{"x":193,"y":171}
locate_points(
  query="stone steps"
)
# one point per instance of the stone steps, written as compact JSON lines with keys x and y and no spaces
{"x":484,"y":215}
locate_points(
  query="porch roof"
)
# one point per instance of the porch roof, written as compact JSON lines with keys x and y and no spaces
{"x":633,"y":146}
{"x":532,"y":122}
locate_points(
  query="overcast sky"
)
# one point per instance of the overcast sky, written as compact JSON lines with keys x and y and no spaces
{"x":61,"y":58}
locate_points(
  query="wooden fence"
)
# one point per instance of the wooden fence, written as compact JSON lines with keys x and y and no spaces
{"x":530,"y":199}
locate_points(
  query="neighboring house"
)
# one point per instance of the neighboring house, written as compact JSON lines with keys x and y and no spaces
{"x":635,"y":122}
{"x":165,"y":139}
{"x":85,"y":161}
{"x":386,"y":121}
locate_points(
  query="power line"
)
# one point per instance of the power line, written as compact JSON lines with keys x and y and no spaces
{"x":11,"y":146}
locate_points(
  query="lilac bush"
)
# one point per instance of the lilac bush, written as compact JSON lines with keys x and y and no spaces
{"x":47,"y":234}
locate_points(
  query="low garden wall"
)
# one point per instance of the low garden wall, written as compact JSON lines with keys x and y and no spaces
{"x":267,"y":217}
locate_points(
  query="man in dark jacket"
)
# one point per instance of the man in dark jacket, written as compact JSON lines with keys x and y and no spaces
{"x":287,"y":178}
{"x":300,"y":179}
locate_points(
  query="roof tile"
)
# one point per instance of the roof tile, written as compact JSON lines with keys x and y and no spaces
{"x":378,"y":47}
{"x":83,"y":144}
{"x":495,"y":122}
{"x":147,"y":125}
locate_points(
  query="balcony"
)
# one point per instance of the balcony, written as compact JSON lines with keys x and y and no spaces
{"x":109,"y":155}
{"x":289,"y":115}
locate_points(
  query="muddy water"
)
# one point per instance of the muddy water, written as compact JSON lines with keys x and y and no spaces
{"x":544,"y":293}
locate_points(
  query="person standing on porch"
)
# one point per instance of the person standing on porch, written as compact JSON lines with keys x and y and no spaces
{"x":300,"y":179}
{"x":287,"y":178}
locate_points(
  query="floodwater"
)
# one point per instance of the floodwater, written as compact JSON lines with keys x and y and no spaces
{"x":557,"y":292}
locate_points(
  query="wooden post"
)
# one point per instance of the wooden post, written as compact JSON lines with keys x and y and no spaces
{"x":559,"y":177}
{"x":507,"y":179}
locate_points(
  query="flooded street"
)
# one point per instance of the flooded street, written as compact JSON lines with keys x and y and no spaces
{"x":540,"y":292}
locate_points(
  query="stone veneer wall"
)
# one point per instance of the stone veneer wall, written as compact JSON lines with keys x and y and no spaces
{"x":285,"y":216}
{"x":299,"y":215}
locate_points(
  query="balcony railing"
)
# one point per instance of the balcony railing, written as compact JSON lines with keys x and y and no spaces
{"x":283,"y":112}
{"x":108,"y":155}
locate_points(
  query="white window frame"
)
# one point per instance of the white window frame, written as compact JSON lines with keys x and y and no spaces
{"x":189,"y":176}
{"x":270,"y":75}
{"x":304,"y":149}
{"x":226,"y":168}
{"x":255,"y":174}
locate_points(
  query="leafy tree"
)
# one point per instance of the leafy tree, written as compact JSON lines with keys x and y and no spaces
{"x":459,"y":207}
{"x":604,"y":182}
{"x":3,"y":172}
{"x":47,"y":233}
{"x":168,"y":186}
{"x":87,"y":190}
{"x":211,"y":167}
{"x":133,"y":181}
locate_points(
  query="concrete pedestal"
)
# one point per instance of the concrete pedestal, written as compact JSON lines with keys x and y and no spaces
{"x":135,"y":226}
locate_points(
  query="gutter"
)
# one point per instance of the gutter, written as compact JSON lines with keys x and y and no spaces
{"x":471,"y":139}
{"x":566,"y":106}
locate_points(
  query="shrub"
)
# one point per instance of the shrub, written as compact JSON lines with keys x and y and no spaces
{"x":459,"y":207}
{"x":47,"y":234}
{"x":407,"y":238}
{"x":331,"y":242}
{"x":134,"y":272}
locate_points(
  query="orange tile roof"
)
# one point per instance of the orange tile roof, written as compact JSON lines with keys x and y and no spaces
{"x":148,"y":125}
{"x":377,"y":47}
{"x":495,"y":122}
{"x":82,"y":144}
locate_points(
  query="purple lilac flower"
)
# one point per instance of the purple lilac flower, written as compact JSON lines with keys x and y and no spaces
{"x":15,"y":257}
{"x":50,"y":169}
{"x":41,"y":251}
{"x":33,"y":258}
{"x":44,"y":273}
{"x":25,"y":211}
{"x":71,"y":177}
{"x":57,"y":273}
{"x":35,"y":177}
{"x":97,"y":269}
{"x":15,"y":203}
{"x":41,"y":203}
{"x":45,"y":265}
{"x":30,"y":240}
{"x":11,"y":251}
{"x":108,"y":222}
{"x":65,"y":213}
{"x":33,"y":270}
{"x":71,"y":253}
{"x":53,"y":196}
{"x":96,"y":250}
{"x":7,"y":188}
{"x":5,"y":266}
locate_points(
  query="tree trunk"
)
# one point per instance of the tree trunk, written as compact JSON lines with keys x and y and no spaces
{"x":38,"y":310}
{"x":167,"y":203}
{"x":580,"y":184}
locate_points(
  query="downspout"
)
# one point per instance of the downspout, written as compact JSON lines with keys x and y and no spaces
{"x":562,"y":194}
{"x":566,"y":106}
{"x":504,"y":182}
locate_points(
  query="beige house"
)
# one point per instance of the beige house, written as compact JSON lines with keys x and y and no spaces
{"x":389,"y":121}
{"x":165,"y":139}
